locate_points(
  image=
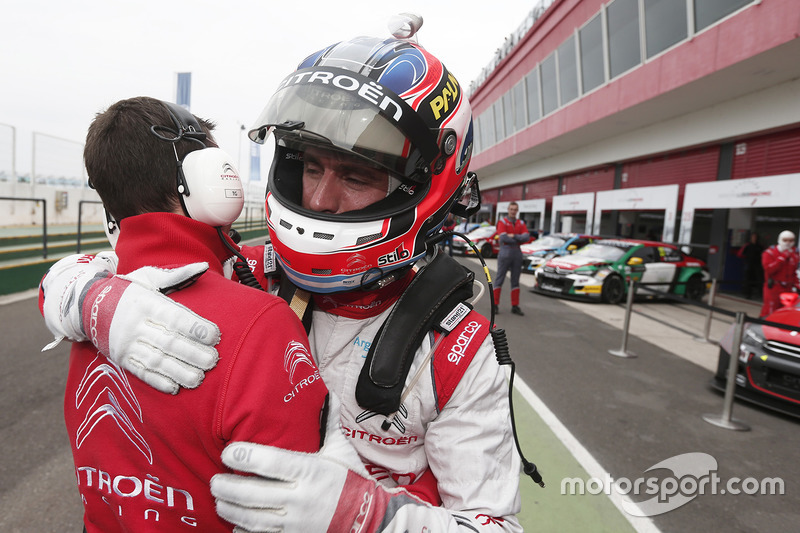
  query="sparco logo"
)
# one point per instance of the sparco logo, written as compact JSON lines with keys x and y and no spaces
{"x":399,"y":254}
{"x":363,"y":512}
{"x":366,"y":89}
{"x":464,"y":338}
{"x":95,"y":310}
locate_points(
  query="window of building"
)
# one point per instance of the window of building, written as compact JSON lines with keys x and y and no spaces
{"x":623,"y":35}
{"x":593,"y":72}
{"x":477,"y":145}
{"x":707,"y":12}
{"x":665,"y":24}
{"x":487,"y":128}
{"x":549,"y":85}
{"x":532,"y":90}
{"x":567,"y":71}
{"x":497,"y":109}
{"x":518,"y":95}
{"x":508,"y":114}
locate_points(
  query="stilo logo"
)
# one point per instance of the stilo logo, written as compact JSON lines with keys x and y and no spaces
{"x":399,"y":254}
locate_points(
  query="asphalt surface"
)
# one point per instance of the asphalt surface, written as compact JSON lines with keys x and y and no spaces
{"x":627,"y":414}
{"x":633,"y":413}
{"x":37,"y":480}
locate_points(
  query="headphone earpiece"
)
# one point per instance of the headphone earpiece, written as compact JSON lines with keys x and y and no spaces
{"x":209,"y":186}
{"x":111,"y":228}
{"x":215,"y":193}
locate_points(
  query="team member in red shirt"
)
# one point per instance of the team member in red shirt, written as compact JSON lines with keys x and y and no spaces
{"x":513,"y":232}
{"x":144,"y":459}
{"x":373,"y":139}
{"x":780,"y":262}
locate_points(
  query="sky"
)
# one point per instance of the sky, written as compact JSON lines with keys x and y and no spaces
{"x":61,"y":62}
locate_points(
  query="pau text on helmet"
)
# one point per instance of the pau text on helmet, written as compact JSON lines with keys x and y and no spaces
{"x":369,"y":90}
{"x":449,"y":94}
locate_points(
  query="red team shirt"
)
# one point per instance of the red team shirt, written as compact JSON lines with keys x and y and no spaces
{"x":144,"y":459}
{"x":504,"y":225}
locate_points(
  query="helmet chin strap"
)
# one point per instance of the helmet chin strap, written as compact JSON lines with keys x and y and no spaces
{"x":383,"y":278}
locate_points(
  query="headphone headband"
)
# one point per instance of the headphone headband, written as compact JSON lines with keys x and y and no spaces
{"x":209,"y":186}
{"x":185,"y":122}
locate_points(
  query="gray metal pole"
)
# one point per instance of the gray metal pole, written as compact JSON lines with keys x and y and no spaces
{"x":33,"y":163}
{"x":13,"y":163}
{"x":623,"y":351}
{"x":711,"y":297}
{"x":80,"y":209}
{"x":726,"y":421}
{"x":44,"y":227}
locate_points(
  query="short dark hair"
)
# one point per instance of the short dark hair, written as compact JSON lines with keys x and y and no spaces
{"x":134,"y":171}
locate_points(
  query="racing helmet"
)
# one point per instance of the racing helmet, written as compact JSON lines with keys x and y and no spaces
{"x":393,"y":106}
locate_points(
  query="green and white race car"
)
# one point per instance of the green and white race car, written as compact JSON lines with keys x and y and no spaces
{"x":602,"y":270}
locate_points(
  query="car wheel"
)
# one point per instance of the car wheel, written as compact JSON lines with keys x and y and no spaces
{"x":486,"y":250}
{"x":613,"y":290}
{"x":695,"y":288}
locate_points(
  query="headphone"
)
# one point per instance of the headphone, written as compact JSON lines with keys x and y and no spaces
{"x":208,"y":183}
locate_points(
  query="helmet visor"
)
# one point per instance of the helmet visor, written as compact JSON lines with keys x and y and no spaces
{"x":351,"y":113}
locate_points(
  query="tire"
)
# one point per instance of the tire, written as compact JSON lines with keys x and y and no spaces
{"x":695,"y":288}
{"x":613,"y":290}
{"x":486,"y":251}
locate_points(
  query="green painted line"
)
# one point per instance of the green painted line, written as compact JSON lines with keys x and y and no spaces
{"x":546,"y":509}
{"x":21,"y":278}
{"x":51,"y":238}
{"x":28,"y":273}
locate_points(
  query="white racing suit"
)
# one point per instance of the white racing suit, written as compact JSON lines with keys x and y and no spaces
{"x":467,"y":443}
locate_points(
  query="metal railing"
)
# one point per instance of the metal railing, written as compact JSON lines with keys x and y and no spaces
{"x":80,"y":216}
{"x":44,"y":217}
{"x":725,"y":420}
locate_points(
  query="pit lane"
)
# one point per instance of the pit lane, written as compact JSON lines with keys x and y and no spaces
{"x":626,"y":415}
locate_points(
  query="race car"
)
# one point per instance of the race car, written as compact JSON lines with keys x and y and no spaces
{"x":486,"y":240}
{"x":768,"y":369}
{"x":481,"y":237}
{"x":538,"y":252}
{"x":601,"y":270}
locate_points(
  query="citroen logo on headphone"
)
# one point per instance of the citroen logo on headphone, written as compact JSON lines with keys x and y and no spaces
{"x":228,"y":172}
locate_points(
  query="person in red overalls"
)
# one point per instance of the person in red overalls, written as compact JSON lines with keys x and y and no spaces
{"x":780,"y":262}
{"x":513,"y":232}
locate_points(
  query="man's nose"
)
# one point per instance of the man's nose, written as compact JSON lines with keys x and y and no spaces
{"x":325,"y":198}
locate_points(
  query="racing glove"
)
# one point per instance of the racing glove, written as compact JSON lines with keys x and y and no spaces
{"x":130,"y":320}
{"x":329,"y":490}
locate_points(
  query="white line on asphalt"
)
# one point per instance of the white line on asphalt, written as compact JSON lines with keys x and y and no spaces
{"x":18,"y":296}
{"x":581,"y":454}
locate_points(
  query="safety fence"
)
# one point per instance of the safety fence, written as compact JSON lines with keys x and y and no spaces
{"x":32,"y":247}
{"x":725,"y":420}
{"x":36,"y":201}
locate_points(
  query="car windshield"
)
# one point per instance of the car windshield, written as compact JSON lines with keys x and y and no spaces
{"x":548,"y":242}
{"x":481,"y":233}
{"x":601,"y":251}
